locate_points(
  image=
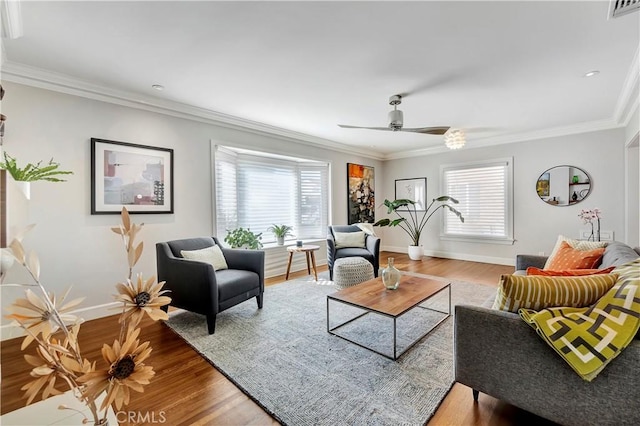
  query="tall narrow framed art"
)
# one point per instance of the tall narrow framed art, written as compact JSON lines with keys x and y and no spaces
{"x":361,"y":200}
{"x":137,"y":177}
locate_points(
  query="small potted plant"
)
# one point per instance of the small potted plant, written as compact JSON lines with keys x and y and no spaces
{"x":243,"y":238}
{"x":414,"y":225}
{"x":32,"y":172}
{"x":280,"y":231}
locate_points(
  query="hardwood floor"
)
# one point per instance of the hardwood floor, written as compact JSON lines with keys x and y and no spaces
{"x":187,"y":390}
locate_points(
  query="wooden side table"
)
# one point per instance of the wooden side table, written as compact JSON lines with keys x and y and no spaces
{"x":308,"y":251}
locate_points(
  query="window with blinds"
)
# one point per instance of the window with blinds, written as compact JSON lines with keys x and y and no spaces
{"x":255,"y":191}
{"x":484,"y":191}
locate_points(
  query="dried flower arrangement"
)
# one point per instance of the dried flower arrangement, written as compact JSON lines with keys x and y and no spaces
{"x":47,"y":322}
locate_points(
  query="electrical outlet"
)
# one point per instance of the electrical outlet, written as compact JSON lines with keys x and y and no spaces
{"x":540,"y":253}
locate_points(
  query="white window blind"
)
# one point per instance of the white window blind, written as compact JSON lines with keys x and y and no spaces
{"x":484,"y":193}
{"x":255,"y":192}
{"x":226,"y":191}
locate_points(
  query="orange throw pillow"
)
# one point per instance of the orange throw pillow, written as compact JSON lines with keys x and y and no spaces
{"x":569,"y":272}
{"x":570,"y":258}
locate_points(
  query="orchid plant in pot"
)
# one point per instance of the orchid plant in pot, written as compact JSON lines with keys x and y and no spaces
{"x":415,"y":223}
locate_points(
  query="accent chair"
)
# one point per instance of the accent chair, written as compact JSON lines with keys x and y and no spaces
{"x":370,"y":251}
{"x":195,"y":285}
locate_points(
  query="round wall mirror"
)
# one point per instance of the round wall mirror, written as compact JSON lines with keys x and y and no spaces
{"x":563,"y":185}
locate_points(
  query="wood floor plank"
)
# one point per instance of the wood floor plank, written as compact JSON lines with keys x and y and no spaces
{"x":187,"y":390}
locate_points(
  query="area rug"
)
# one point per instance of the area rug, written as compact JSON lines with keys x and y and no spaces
{"x":283,"y":357}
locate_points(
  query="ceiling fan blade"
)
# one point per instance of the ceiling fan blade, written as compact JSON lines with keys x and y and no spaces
{"x":345,"y":126}
{"x":427,"y":130}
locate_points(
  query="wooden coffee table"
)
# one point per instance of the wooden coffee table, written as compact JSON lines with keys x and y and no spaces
{"x":372,"y":297}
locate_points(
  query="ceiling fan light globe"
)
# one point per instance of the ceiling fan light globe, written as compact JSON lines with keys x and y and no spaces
{"x":395,"y":119}
{"x":454,"y":139}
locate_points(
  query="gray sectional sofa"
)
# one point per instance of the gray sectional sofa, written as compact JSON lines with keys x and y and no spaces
{"x":497,"y":353}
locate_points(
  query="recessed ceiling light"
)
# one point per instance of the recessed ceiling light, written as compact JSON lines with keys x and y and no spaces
{"x":592,"y":73}
{"x":158,"y":87}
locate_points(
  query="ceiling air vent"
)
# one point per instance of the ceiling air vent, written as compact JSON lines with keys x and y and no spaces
{"x":622,"y":7}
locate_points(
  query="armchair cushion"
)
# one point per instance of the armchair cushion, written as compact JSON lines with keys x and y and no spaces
{"x":232,"y":282}
{"x":354,"y":252}
{"x":211,"y":255}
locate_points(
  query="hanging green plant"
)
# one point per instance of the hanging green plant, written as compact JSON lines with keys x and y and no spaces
{"x":33,"y":172}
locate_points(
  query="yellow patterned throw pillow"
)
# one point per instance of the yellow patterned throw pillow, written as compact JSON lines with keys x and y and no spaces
{"x":589,"y":338}
{"x":539,"y":292}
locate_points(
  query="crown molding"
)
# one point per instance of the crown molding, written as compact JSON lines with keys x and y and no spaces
{"x":44,"y":79}
{"x":472,"y":143}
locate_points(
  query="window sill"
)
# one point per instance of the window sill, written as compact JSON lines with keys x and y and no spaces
{"x":272,"y":246}
{"x":477,"y":239}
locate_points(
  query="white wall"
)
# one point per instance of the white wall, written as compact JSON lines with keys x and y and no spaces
{"x":79,"y":249}
{"x":632,"y":173}
{"x":633,"y":127}
{"x":537,"y":224}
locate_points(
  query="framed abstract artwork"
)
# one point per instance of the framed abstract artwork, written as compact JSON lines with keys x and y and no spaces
{"x":137,"y":177}
{"x":361,"y":200}
{"x":414,"y":189}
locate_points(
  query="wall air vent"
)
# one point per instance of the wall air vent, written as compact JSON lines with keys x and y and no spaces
{"x":618,"y":8}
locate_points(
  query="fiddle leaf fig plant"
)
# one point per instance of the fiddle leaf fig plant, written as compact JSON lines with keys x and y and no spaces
{"x":414,"y":224}
{"x":32,"y":172}
{"x":241,"y":237}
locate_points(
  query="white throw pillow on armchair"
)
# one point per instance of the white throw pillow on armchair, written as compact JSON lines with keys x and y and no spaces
{"x":212,"y":255}
{"x":349,"y":239}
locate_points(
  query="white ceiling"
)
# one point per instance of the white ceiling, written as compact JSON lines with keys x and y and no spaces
{"x":503,"y":71}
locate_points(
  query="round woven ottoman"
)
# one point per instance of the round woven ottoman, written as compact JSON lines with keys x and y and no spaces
{"x":349,"y":271}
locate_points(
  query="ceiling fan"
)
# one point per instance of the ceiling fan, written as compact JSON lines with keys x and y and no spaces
{"x":395,"y":122}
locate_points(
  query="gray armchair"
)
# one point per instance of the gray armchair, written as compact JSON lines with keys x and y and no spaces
{"x":196,"y":287}
{"x":371,"y":251}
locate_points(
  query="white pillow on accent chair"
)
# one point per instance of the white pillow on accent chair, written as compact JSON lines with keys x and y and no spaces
{"x":350,"y":239}
{"x":212,"y":255}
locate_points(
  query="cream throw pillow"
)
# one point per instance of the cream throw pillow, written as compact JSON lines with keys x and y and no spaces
{"x":575,"y":244}
{"x":349,"y":239}
{"x":211,"y":255}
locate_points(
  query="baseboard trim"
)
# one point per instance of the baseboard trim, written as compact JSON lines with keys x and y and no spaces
{"x":10,"y":331}
{"x":456,"y":256}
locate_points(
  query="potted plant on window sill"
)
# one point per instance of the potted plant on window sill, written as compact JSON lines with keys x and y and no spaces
{"x":23,"y":176}
{"x":243,"y":238}
{"x":280,"y":231}
{"x":414,"y":224}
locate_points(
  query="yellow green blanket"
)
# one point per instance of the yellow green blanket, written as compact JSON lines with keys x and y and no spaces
{"x":589,"y":338}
